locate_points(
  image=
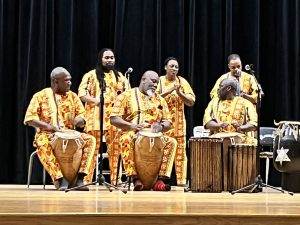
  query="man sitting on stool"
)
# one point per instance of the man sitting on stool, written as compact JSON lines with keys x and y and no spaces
{"x":51,"y":110}
{"x":136,"y":109}
{"x":229,"y":114}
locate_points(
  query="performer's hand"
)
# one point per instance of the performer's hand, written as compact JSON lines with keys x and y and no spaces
{"x":223,"y":124}
{"x":156,"y":127}
{"x":79,"y":122}
{"x":50,"y":128}
{"x":137,"y":127}
{"x":97,"y":102}
{"x":177,"y":88}
{"x":242,"y":128}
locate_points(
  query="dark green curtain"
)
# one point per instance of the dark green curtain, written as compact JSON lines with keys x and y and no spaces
{"x":38,"y":35}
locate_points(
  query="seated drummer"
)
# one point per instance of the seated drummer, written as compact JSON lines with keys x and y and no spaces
{"x":50,"y":110}
{"x":230,"y":114}
{"x":136,"y":109}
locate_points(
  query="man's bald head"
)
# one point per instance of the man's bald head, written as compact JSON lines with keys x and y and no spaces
{"x":60,"y":80}
{"x":58,"y":72}
{"x":149,"y":82}
{"x":227,"y":89}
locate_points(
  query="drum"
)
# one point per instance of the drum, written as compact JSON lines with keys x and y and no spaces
{"x":243,"y":166}
{"x":148,"y":154}
{"x":67,"y":147}
{"x":286,"y":154}
{"x":206,"y":164}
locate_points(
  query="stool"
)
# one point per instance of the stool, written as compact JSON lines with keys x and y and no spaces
{"x":30,"y":170}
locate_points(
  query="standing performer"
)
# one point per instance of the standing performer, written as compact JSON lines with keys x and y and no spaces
{"x":89,"y":92}
{"x":177,"y":93}
{"x":134,"y":110}
{"x":247,"y":87}
{"x":51,"y":110}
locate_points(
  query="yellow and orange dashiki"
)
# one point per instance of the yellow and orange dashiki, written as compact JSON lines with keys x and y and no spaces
{"x":178,"y":131}
{"x":59,"y":111}
{"x":137,"y":108}
{"x":175,"y":103}
{"x":246,"y":81}
{"x":90,"y":86}
{"x":236,"y":111}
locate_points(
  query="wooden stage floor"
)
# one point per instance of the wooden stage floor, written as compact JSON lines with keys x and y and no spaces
{"x":99,"y":206}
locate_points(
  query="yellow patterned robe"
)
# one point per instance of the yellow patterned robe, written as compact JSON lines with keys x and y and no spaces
{"x":135,"y":107}
{"x":246,"y":81}
{"x":238,"y":110}
{"x":90,"y":85}
{"x":176,"y":108}
{"x":60,"y":111}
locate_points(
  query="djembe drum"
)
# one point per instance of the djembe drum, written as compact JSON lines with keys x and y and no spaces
{"x":243,"y":166}
{"x":286,"y":154}
{"x":206,"y":164}
{"x":67,"y":147}
{"x":148,"y":156}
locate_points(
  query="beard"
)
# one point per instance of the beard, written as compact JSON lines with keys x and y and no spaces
{"x":107,"y":68}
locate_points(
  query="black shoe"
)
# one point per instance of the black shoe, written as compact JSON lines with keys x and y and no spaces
{"x":64,"y":184}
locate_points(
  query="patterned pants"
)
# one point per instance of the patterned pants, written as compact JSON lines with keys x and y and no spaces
{"x":113,"y":150}
{"x":181,"y":161}
{"x":49,"y":161}
{"x":127,"y":142}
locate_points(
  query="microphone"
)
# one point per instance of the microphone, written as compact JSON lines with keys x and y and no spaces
{"x":238,"y":72}
{"x":249,"y":67}
{"x":129,"y":70}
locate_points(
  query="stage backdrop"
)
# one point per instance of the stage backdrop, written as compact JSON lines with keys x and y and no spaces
{"x":38,"y":35}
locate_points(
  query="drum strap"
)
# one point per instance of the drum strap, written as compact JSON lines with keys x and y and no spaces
{"x":152,"y":141}
{"x":64,"y":145}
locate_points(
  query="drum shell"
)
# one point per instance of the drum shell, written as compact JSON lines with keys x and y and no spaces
{"x":148,"y":160}
{"x":68,"y":156}
{"x":243,"y":166}
{"x":206,"y":165}
{"x":217,"y":166}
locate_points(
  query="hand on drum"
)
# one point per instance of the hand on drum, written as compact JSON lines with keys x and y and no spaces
{"x":50,"y":128}
{"x":223,"y":124}
{"x":156,"y":127}
{"x":79,"y":122}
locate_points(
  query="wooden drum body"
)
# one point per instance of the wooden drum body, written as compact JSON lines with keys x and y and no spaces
{"x":206,"y":164}
{"x":217,"y":165}
{"x":67,"y":147}
{"x":243,"y":166}
{"x":148,"y":155}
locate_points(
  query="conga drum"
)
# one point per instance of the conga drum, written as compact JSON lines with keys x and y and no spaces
{"x":148,"y":154}
{"x":286,"y":154}
{"x":243,"y":166}
{"x":206,"y":164}
{"x":67,"y":147}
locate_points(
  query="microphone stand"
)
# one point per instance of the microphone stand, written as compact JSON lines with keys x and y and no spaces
{"x":100,"y":178}
{"x":258,"y":183}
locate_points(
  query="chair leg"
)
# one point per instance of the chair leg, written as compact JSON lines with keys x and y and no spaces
{"x":44,"y":178}
{"x":30,"y":171}
{"x":129,"y":183}
{"x":30,"y":168}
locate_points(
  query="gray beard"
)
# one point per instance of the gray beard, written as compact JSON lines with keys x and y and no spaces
{"x":150,"y":93}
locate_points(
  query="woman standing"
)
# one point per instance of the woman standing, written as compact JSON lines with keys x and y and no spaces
{"x":177,"y":93}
